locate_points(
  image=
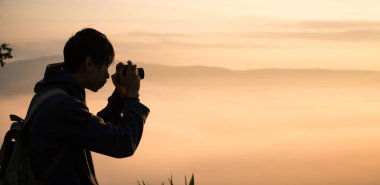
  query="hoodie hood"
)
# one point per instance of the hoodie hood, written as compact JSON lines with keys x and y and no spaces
{"x":56,"y":77}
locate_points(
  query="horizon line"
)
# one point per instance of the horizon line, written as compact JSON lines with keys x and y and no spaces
{"x":13,"y":60}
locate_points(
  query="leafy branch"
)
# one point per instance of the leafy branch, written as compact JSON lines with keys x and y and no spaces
{"x":5,"y":53}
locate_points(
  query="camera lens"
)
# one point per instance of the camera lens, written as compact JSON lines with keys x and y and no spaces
{"x":120,"y":67}
{"x":141,"y":72}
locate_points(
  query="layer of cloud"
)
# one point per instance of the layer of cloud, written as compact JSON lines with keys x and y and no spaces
{"x":346,"y":35}
{"x":329,"y":31}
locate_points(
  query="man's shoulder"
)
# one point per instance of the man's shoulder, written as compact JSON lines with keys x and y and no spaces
{"x":62,"y":103}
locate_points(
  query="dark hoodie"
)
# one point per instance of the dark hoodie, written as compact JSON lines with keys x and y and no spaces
{"x":66,"y":121}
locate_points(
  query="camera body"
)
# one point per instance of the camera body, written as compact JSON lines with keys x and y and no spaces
{"x":120,"y":67}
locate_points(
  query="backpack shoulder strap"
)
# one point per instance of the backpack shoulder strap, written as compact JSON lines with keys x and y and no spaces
{"x":54,"y":163}
{"x":34,"y":106}
{"x":40,"y":99}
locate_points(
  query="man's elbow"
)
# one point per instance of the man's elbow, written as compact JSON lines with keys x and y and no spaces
{"x":124,"y":153}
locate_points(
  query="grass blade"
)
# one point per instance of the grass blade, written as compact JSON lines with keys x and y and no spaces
{"x":171,"y":179}
{"x":192,"y":180}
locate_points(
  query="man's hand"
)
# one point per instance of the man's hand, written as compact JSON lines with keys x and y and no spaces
{"x":127,"y":82}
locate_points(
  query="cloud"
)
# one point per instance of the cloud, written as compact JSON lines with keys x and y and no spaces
{"x":165,"y":40}
{"x":240,"y":33}
{"x":191,"y":45}
{"x":335,"y":24}
{"x":256,"y":32}
{"x":347,"y":35}
{"x":27,"y":50}
{"x":328,"y":30}
{"x":158,"y":34}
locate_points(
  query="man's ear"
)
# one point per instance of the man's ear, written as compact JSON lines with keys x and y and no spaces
{"x":88,"y":64}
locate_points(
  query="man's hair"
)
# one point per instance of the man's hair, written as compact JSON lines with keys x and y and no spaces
{"x":87,"y":43}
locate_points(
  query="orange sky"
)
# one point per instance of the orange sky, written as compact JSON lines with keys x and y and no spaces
{"x":239,"y":34}
{"x":271,"y":135}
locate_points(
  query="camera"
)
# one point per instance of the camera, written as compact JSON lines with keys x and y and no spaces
{"x":120,"y":67}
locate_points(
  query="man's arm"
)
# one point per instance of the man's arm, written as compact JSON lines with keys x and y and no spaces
{"x":127,"y":86}
{"x":72,"y":122}
{"x":112,"y":112}
{"x":99,"y":136}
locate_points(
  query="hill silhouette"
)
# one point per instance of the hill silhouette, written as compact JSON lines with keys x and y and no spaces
{"x":19,"y":77}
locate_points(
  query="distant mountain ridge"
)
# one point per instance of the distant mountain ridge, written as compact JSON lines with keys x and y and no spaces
{"x":19,"y":77}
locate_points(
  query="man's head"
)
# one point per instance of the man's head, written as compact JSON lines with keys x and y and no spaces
{"x":87,"y":55}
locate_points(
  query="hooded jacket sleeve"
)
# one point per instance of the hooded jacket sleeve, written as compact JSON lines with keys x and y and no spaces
{"x":112,"y":112}
{"x":76,"y":125}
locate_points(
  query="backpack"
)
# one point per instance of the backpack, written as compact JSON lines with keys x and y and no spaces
{"x":15,"y":167}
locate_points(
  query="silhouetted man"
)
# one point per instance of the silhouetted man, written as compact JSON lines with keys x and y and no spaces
{"x":65,"y":120}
